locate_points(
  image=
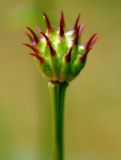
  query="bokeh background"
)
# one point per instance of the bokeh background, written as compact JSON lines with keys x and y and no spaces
{"x":93,"y":100}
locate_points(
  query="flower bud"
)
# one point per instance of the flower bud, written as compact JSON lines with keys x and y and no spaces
{"x":59,"y":55}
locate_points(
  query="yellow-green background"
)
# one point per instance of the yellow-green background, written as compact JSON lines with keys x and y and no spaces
{"x":93,"y":100}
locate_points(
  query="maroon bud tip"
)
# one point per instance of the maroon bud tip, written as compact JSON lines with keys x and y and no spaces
{"x":77,"y":21}
{"x":83,"y":58}
{"x":52,"y":51}
{"x":41,"y":59}
{"x":44,"y":35}
{"x":49,"y":27}
{"x":91,"y":42}
{"x":31,"y":47}
{"x":36,"y":39}
{"x":62,"y":25}
{"x":68,"y":56}
{"x":89,"y":45}
{"x":77,"y":36}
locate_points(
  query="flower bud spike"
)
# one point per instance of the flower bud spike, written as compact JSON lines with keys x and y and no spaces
{"x":36,"y":39}
{"x":77,"y":21}
{"x":41,"y":59}
{"x":52,"y":51}
{"x":83,"y":58}
{"x":68,"y":56}
{"x":77,"y":36}
{"x":49,"y":27}
{"x":88,"y":46}
{"x":32,"y":47}
{"x":91,"y":42}
{"x":62,"y":25}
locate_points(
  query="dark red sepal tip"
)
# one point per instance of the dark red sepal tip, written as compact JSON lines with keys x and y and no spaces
{"x":36,"y":39}
{"x":76,"y":39}
{"x":49,"y":27}
{"x":89,"y":46}
{"x":52,"y":51}
{"x":68,"y":56}
{"x":76,"y":23}
{"x":83,"y":58}
{"x":41,"y":59}
{"x":62,"y":25}
{"x":91,"y":42}
{"x":31,"y":47}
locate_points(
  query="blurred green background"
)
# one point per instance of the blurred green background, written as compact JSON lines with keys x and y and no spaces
{"x":93,"y":100}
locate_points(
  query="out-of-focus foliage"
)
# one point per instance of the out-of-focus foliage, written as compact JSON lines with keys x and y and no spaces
{"x":93,"y":103}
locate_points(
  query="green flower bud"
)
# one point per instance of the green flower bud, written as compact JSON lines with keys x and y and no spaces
{"x":59,"y":55}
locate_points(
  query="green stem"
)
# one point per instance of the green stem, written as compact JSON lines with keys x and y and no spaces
{"x":57,"y":96}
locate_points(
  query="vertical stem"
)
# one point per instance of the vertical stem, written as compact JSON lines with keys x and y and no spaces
{"x":57,"y":96}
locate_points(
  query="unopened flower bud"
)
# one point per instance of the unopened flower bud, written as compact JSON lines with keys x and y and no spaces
{"x":58,"y":54}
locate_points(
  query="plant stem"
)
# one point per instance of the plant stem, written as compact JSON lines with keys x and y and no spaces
{"x":57,"y":97}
